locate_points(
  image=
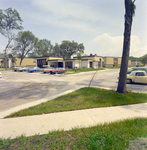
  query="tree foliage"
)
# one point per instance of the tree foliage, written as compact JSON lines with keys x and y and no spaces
{"x":43,"y":48}
{"x":143,"y":59}
{"x":24,"y":43}
{"x":9,"y":20}
{"x":67,"y":49}
{"x":133,"y":58}
{"x":129,"y":12}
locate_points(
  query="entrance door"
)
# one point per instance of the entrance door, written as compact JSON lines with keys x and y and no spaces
{"x":90,"y":64}
{"x":60,"y":64}
{"x":68,"y":64}
{"x":41,"y":62}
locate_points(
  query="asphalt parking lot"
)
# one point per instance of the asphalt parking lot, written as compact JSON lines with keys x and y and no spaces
{"x":19,"y":88}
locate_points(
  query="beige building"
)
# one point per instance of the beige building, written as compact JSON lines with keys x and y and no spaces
{"x":25,"y":62}
{"x":1,"y":62}
{"x":113,"y":62}
{"x":49,"y":61}
{"x":136,"y":63}
{"x":91,"y":61}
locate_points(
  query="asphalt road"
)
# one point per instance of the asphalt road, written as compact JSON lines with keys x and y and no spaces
{"x":19,"y":88}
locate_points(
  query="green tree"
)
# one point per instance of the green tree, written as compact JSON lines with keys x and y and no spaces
{"x":143,"y":59}
{"x":129,"y":12}
{"x":32,"y":55}
{"x":10,"y":20}
{"x":24,"y":43}
{"x":44,"y":48}
{"x":67,"y":49}
{"x":133,"y":58}
{"x":57,"y":51}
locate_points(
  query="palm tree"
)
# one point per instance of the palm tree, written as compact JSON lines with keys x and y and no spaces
{"x":129,"y":13}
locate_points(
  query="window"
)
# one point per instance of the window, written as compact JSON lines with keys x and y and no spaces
{"x":140,"y":74}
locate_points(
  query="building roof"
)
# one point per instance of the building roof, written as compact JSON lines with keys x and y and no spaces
{"x":110,"y":57}
{"x":55,"y":60}
{"x":46,"y":57}
{"x":89,"y":56}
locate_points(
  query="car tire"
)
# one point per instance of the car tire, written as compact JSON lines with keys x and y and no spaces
{"x":129,"y":81}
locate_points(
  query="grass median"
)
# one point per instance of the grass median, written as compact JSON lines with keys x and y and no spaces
{"x":83,"y":98}
{"x":78,"y":70}
{"x":4,"y":69}
{"x":113,"y":136}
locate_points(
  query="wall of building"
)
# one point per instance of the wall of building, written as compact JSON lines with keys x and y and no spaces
{"x":0,"y":62}
{"x":93,"y":58}
{"x":95,"y":65}
{"x":129,"y":63}
{"x":25,"y":62}
{"x":77,"y":64}
{"x":136,"y":63}
{"x":51,"y":58}
{"x":108,"y":61}
{"x":119,"y":61}
{"x":97,"y":58}
{"x":90,"y":58}
{"x":84,"y":64}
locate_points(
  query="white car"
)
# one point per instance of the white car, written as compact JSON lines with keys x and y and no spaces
{"x":137,"y":77}
{"x":0,"y":75}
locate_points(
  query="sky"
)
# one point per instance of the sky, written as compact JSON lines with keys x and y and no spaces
{"x":98,"y":24}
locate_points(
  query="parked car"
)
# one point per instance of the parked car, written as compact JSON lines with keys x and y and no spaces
{"x":137,"y":68}
{"x":0,"y":75}
{"x":34,"y":69}
{"x":17,"y":67}
{"x":58,"y":70}
{"x":137,"y":77}
{"x":46,"y":70}
{"x":23,"y":69}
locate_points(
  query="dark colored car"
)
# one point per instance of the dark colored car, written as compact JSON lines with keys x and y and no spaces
{"x":33,"y":69}
{"x":58,"y":70}
{"x":138,"y":68}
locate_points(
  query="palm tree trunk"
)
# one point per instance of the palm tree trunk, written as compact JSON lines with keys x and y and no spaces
{"x":126,"y":46}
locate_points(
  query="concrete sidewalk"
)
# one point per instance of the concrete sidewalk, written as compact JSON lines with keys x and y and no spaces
{"x":42,"y":124}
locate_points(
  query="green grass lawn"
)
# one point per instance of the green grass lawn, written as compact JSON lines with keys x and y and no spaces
{"x":84,"y":98}
{"x":113,"y":136}
{"x":113,"y":67}
{"x":4,"y":69}
{"x":78,"y":70}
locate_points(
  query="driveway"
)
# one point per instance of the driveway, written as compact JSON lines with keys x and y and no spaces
{"x":19,"y":88}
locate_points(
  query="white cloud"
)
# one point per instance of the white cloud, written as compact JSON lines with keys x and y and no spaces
{"x":59,"y":14}
{"x":67,"y":14}
{"x":106,"y":45}
{"x":136,"y":49}
{"x":67,"y":9}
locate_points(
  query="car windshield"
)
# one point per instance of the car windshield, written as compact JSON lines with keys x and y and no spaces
{"x":140,"y":69}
